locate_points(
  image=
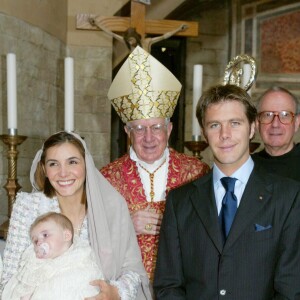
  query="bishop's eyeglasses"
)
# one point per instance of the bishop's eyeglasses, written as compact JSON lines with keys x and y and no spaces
{"x":284,"y":117}
{"x":156,"y":129}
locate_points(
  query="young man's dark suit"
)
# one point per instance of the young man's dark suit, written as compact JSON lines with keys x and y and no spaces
{"x":261,"y":257}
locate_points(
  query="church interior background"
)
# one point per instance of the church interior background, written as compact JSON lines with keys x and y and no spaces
{"x":42,"y":33}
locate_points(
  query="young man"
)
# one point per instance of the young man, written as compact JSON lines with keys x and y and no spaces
{"x":278,"y":122}
{"x":234,"y":233}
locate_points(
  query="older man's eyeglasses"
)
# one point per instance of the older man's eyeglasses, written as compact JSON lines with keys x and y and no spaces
{"x":140,"y":130}
{"x":267,"y":117}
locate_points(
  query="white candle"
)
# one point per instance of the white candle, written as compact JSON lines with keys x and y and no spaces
{"x":197,"y":91}
{"x":246,"y":75}
{"x":69,"y":94}
{"x":11,"y":92}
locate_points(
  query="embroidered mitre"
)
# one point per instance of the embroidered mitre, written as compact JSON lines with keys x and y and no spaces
{"x":144,"y":88}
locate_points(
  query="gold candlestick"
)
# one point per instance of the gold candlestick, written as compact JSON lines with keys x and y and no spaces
{"x":196,"y":147}
{"x":12,"y":186}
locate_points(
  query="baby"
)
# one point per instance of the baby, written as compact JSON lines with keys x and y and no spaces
{"x":55,"y":266}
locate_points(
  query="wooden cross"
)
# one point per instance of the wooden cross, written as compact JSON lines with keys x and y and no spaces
{"x":137,"y":21}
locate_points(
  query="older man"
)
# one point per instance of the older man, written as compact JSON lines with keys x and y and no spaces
{"x":144,"y":94}
{"x":278,"y":121}
{"x":234,"y":233}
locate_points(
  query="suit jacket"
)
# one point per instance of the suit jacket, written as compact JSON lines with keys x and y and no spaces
{"x":260,"y":259}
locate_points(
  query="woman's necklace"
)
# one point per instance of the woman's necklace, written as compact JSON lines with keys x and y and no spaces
{"x":151,"y":175}
{"x":78,"y":227}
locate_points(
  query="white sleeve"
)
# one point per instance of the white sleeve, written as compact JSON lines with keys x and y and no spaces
{"x":24,"y":211}
{"x":127,"y":285}
{"x":1,"y":267}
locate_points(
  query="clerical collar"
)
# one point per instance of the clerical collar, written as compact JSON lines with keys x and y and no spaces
{"x":152,"y":166}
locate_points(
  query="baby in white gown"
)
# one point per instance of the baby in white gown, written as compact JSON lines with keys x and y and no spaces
{"x":55,"y":266}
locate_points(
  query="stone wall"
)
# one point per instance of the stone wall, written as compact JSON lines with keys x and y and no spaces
{"x":38,"y":57}
{"x":92,"y":68}
{"x":40,"y":93}
{"x":209,"y":49}
{"x":50,"y":16}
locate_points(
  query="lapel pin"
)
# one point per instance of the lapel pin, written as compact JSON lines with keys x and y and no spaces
{"x":260,"y":198}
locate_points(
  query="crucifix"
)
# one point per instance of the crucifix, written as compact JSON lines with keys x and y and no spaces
{"x":137,"y":23}
{"x":137,"y":26}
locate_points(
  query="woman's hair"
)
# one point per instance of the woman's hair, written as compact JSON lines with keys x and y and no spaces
{"x":40,"y":178}
{"x":223,"y":93}
{"x":60,"y":219}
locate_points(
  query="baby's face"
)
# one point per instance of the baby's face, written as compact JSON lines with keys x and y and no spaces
{"x":49,"y":239}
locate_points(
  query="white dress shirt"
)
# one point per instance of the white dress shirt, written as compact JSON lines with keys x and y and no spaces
{"x":242,"y":175}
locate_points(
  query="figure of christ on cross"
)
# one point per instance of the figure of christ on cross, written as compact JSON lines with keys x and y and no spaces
{"x":136,"y":27}
{"x":132,"y":38}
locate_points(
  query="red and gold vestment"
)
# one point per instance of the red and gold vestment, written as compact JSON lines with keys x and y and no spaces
{"x":124,"y":176}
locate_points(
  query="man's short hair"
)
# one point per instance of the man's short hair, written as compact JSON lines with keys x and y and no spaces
{"x":279,"y":89}
{"x":224,"y":93}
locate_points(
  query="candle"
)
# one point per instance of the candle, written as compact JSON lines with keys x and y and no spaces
{"x":69,"y":94}
{"x":246,"y":75}
{"x":11,"y":93}
{"x":197,"y":91}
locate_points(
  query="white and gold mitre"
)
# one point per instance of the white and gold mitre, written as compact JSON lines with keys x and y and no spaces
{"x":144,"y":88}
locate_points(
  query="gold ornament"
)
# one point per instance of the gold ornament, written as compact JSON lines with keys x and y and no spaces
{"x":148,"y":227}
{"x":234,"y":71}
{"x":151,"y":176}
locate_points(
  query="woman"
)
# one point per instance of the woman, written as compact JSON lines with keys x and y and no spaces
{"x":65,"y":179}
